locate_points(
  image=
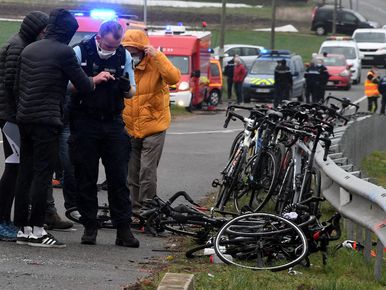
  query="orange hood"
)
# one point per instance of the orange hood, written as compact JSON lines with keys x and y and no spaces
{"x":135,"y":38}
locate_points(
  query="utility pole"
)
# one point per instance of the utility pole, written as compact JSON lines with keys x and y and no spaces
{"x":273,"y":24}
{"x":145,"y":12}
{"x":222,"y":32}
{"x":334,"y":14}
{"x":351,"y":4}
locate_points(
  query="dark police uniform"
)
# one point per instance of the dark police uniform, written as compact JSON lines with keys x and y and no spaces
{"x":283,"y":83}
{"x":382,"y":90}
{"x":316,"y":81}
{"x":97,"y":132}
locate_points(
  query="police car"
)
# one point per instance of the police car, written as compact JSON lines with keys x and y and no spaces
{"x":259,"y":82}
{"x":90,"y":21}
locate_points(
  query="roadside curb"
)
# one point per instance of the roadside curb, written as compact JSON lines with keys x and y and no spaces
{"x":176,"y":281}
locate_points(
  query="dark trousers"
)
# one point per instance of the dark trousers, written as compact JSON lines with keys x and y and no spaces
{"x":90,"y":140}
{"x":69,"y":183}
{"x":383,"y":104}
{"x":38,"y":155}
{"x":281,"y":93}
{"x":315,"y":93}
{"x":238,"y":89}
{"x":11,"y":167}
{"x":229,"y":86}
{"x":372,"y":104}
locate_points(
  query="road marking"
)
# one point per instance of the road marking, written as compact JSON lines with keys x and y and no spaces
{"x":203,"y":132}
{"x":360,"y":100}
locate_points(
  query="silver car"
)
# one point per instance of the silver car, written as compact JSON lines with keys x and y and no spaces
{"x":247,"y":53}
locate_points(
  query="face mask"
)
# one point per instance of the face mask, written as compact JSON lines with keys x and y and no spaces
{"x":137,"y":58}
{"x":104,"y":54}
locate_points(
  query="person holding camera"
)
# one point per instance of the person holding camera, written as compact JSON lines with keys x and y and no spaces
{"x":97,"y":132}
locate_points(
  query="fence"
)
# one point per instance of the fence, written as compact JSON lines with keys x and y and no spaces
{"x":363,"y":204}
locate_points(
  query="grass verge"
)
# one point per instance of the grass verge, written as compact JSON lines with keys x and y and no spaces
{"x":375,"y":166}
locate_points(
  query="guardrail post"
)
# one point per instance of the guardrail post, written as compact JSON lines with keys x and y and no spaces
{"x":350,"y":229}
{"x":367,"y":250}
{"x":359,"y":234}
{"x":378,"y":261}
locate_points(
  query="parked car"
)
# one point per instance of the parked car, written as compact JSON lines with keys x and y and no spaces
{"x":247,"y":53}
{"x":259,"y":82}
{"x":347,"y":20}
{"x":372,"y":44}
{"x":339,"y":70}
{"x":349,"y":48}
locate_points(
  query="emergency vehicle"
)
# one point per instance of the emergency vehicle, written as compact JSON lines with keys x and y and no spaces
{"x":201,"y":75}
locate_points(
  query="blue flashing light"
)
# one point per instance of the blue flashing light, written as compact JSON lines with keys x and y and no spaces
{"x":180,"y":24}
{"x":79,"y":14}
{"x":103,"y":14}
{"x":263,"y":51}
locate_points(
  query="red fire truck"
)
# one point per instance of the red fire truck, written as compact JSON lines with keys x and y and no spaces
{"x":201,"y":76}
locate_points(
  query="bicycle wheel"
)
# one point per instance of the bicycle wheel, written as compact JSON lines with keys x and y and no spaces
{"x":236,"y":143}
{"x":285,"y":194}
{"x":260,"y":176}
{"x":261,"y":241}
{"x":231,"y":179}
{"x":198,"y":230}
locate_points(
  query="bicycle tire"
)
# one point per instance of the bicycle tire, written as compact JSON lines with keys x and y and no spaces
{"x":103,"y":220}
{"x":261,"y":186}
{"x":265,"y":247}
{"x":236,"y":142}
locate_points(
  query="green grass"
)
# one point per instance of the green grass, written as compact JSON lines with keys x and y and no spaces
{"x":374,"y":166}
{"x":7,"y":28}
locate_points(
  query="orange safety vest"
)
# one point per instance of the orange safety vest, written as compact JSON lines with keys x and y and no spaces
{"x":371,"y":89}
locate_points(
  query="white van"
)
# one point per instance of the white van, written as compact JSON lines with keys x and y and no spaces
{"x":372,"y":43}
{"x":349,"y":48}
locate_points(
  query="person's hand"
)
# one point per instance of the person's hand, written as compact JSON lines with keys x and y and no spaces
{"x":103,"y":76}
{"x":124,"y":83}
{"x":150,"y":50}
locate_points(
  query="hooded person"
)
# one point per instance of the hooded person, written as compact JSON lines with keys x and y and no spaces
{"x":31,"y":29}
{"x":45,"y":68}
{"x":147,"y":114}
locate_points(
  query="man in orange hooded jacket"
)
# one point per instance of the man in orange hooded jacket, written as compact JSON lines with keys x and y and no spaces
{"x":147,"y":114}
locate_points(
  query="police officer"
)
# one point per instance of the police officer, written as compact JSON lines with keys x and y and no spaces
{"x":283,"y":82}
{"x":382,"y":91}
{"x":316,"y":76}
{"x":97,"y":131}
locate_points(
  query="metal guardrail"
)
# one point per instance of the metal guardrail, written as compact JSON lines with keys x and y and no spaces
{"x":363,"y":204}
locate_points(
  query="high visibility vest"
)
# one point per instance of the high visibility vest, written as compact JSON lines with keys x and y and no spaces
{"x":371,"y":89}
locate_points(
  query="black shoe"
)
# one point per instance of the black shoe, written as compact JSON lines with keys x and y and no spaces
{"x":46,"y":241}
{"x":89,"y":236}
{"x":54,"y":221}
{"x":125,"y":238}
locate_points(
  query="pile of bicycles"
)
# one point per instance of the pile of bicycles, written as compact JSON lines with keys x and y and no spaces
{"x":267,"y":213}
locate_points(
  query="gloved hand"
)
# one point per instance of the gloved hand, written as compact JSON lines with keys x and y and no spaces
{"x":124,"y":83}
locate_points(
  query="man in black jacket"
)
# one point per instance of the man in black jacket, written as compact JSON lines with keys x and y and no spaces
{"x":46,"y":66}
{"x":283,"y":82}
{"x":31,"y":30}
{"x":228,"y":72}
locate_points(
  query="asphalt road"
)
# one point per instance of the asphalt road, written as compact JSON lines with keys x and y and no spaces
{"x":374,"y":10}
{"x":195,"y":151}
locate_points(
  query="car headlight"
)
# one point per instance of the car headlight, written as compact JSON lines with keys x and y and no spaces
{"x":180,"y":103}
{"x":381,"y":50}
{"x":184,"y":86}
{"x":345,"y":73}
